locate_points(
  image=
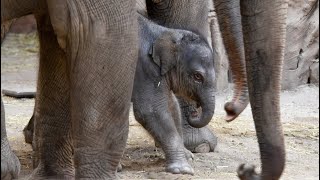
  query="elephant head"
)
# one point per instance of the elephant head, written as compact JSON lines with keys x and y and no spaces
{"x":186,"y":61}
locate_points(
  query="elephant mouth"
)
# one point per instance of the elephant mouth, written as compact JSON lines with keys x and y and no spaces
{"x":196,"y":112}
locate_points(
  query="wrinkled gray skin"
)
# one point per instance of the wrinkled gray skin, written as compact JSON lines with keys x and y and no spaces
{"x":10,"y":166}
{"x":254,"y":35}
{"x":73,"y":31}
{"x":187,"y":52}
{"x":172,"y":62}
{"x":198,"y":140}
{"x":9,"y":161}
{"x":83,"y":44}
{"x":257,"y":55}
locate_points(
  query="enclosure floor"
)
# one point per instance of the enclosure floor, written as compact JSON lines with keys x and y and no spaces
{"x":237,"y":142}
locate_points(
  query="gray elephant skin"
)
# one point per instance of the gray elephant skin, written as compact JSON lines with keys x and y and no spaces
{"x":92,"y":123}
{"x":170,"y":62}
{"x":198,"y":140}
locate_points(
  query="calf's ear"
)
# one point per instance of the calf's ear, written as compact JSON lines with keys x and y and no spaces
{"x":165,"y":51}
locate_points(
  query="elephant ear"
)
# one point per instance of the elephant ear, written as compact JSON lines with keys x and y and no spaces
{"x":164,"y":51}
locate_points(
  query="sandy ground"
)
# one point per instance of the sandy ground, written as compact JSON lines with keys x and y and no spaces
{"x":237,"y":142}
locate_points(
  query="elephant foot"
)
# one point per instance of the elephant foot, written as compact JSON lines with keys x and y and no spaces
{"x":67,"y":177}
{"x":247,"y":172}
{"x":180,"y":167}
{"x":189,"y":155}
{"x":10,"y":165}
{"x":28,"y":131}
{"x":199,"y":140}
{"x":42,"y":172}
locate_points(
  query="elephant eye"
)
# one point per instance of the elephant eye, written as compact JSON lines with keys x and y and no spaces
{"x":198,"y":77}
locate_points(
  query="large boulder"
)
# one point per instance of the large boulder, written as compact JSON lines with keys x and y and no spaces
{"x":301,"y":62}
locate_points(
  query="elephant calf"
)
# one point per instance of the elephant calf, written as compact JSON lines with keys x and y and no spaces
{"x":172,"y":62}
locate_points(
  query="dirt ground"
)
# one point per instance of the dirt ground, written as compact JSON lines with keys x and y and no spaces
{"x":237,"y":142}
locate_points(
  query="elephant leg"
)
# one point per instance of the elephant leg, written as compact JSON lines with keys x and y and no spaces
{"x":176,"y":114}
{"x":157,"y":118}
{"x":103,"y":56}
{"x":264,"y":28}
{"x":197,"y":140}
{"x":29,"y":129}
{"x":52,"y":138}
{"x":10,"y":165}
{"x":28,"y":132}
{"x":28,"y":135}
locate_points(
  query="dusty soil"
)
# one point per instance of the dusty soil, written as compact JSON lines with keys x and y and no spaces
{"x":237,"y":142}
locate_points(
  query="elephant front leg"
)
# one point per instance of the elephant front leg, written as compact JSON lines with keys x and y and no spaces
{"x":264,"y":28}
{"x":158,"y":121}
{"x":102,"y":66}
{"x":52,"y":140}
{"x":176,"y":115}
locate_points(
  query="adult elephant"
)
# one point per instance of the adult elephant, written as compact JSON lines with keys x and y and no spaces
{"x":258,"y":54}
{"x":263,"y":24}
{"x":73,"y":38}
{"x":75,"y":71}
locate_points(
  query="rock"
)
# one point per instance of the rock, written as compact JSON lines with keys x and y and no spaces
{"x":302,"y":44}
{"x":314,"y":74}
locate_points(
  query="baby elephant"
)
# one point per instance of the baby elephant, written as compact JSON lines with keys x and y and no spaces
{"x":172,"y":62}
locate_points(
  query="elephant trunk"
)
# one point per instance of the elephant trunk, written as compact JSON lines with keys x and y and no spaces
{"x":207,"y":104}
{"x":230,"y":25}
{"x":264,"y":28}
